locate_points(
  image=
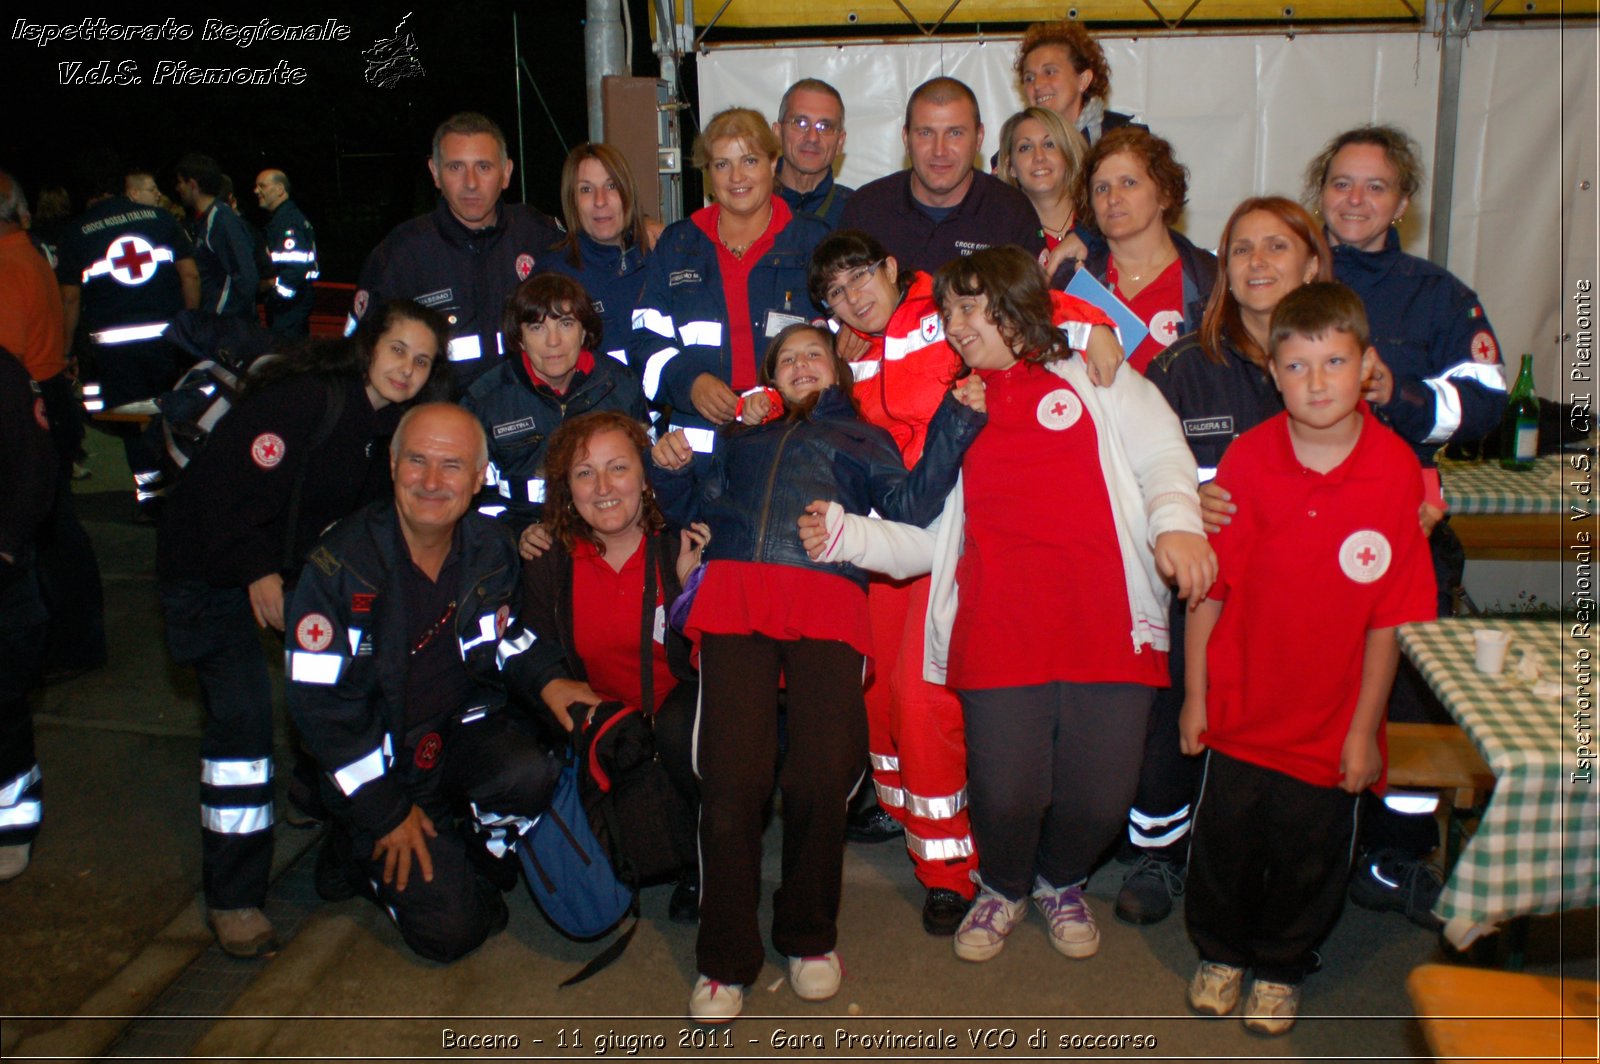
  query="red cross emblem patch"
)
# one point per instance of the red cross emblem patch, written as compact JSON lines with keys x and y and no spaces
{"x":1364,"y":556}
{"x":132,"y":260}
{"x":267,"y":450}
{"x":932,"y":328}
{"x":358,"y":306}
{"x":1164,"y":327}
{"x":524,"y":266}
{"x":314,"y":633}
{"x":1484,"y":349}
{"x":427,"y":753}
{"x":1059,"y":409}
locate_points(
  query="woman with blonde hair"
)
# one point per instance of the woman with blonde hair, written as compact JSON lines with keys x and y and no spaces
{"x":1041,"y":156}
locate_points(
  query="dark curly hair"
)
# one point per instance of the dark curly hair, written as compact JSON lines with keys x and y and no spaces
{"x":1155,"y":154}
{"x":1018,"y":294}
{"x":842,"y":251}
{"x":568,"y":445}
{"x":549,"y":295}
{"x":352,"y":356}
{"x":1398,"y":147}
{"x":1084,"y":51}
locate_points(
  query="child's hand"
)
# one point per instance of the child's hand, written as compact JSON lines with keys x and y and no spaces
{"x":970,"y":392}
{"x":534,"y":541}
{"x":756,"y":406}
{"x":691,"y":548}
{"x":1103,"y":356}
{"x":672,"y":451}
{"x":1360,"y":762}
{"x":814,"y":529}
{"x":1191,"y":725}
{"x":1186,"y":557}
{"x":1215,"y":508}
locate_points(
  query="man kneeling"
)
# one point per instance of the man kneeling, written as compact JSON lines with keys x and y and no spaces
{"x":401,"y":640}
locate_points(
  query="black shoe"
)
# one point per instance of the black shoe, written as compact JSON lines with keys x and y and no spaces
{"x":501,"y":871}
{"x":334,"y":874}
{"x":872,"y":824}
{"x":943,"y":910}
{"x":1147,"y":893}
{"x":684,"y":905}
{"x":1391,"y":880}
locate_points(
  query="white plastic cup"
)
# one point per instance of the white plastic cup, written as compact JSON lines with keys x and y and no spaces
{"x":1489,"y":645}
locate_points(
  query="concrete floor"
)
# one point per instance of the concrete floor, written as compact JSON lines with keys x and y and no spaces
{"x":107,"y":919}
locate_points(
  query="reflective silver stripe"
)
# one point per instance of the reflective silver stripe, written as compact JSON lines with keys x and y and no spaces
{"x":287,"y":293}
{"x":893,"y":797}
{"x":1446,"y":411}
{"x":897,"y":347}
{"x":653,"y":367}
{"x":294,"y":256}
{"x":536,"y":489}
{"x":358,"y":774}
{"x":510,"y":648}
{"x":102,"y":267}
{"x":942,"y":808}
{"x":486,"y":634}
{"x":1207,"y":473}
{"x":127,"y":334}
{"x":1412,"y":803}
{"x":863,"y":371}
{"x":21,"y":815}
{"x":465,"y":349}
{"x":306,"y":667}
{"x":222,"y":297}
{"x":1148,"y":822}
{"x":1489,"y":374}
{"x":885,"y":763}
{"x":235,"y":773}
{"x":1077,"y":334}
{"x":473,"y":714}
{"x":349,"y":324}
{"x":491,"y":511}
{"x":148,"y":477}
{"x":703,"y":441}
{"x":621,"y":355}
{"x":11,"y":792}
{"x":701,"y":333}
{"x":654,"y":320}
{"x":939,"y":849}
{"x":1152,"y":842}
{"x":355,"y":640}
{"x":236,"y":820}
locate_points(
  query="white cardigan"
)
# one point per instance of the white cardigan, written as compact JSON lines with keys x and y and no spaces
{"x":1151,"y":480}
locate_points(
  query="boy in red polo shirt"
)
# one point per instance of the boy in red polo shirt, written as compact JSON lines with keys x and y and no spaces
{"x":1289,"y":700}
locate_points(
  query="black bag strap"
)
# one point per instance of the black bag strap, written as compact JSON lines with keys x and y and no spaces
{"x":331,"y":412}
{"x":647,"y":626}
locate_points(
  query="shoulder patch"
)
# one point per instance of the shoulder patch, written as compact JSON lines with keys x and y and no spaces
{"x":267,"y":450}
{"x":324,"y":560}
{"x":1484,"y":347}
{"x":314,"y":633}
{"x":524,"y":266}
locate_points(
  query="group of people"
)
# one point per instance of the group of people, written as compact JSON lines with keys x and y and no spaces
{"x":830,"y":482}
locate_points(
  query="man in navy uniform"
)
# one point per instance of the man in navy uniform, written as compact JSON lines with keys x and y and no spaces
{"x":292,"y":248}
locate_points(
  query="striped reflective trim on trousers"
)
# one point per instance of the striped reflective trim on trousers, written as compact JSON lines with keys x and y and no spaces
{"x":940,"y":808}
{"x":1154,"y":832}
{"x":235,"y":773}
{"x":502,"y":830}
{"x":890,"y":797}
{"x":236,"y":820}
{"x":14,"y":789}
{"x":352,"y":777}
{"x":22,"y":814}
{"x":939,"y":849}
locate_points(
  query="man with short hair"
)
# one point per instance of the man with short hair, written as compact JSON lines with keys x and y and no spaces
{"x":943,"y":206}
{"x":811,"y":126}
{"x":292,"y":249}
{"x":140,"y":186}
{"x":467,"y":256}
{"x":224,"y":248}
{"x":402,"y":639}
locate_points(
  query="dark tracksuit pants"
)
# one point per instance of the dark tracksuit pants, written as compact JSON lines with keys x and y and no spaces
{"x":1268,"y":862}
{"x":22,"y":637}
{"x":1163,"y":806}
{"x":736,"y":750}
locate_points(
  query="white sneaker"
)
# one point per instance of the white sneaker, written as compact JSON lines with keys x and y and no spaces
{"x":1072,"y":928}
{"x":816,"y":978}
{"x":1271,"y":1008}
{"x":1214,"y":990}
{"x":983,"y":930}
{"x":714,"y":1002}
{"x":14,"y":860}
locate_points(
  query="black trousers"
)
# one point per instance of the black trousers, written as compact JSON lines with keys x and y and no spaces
{"x":736,"y":749}
{"x":1163,"y":806}
{"x":22,"y":635}
{"x":1268,"y":863}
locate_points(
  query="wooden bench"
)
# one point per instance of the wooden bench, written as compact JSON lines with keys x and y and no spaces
{"x":1476,"y":1014}
{"x":1440,"y":757}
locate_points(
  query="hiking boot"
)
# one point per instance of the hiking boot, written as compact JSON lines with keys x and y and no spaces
{"x":1072,"y":929}
{"x":14,"y":860}
{"x":1214,"y":990}
{"x":1271,"y":1007}
{"x":872,"y":824}
{"x":816,"y":978}
{"x":943,"y":910}
{"x":983,"y":931}
{"x":714,"y":1002}
{"x":1390,"y":880}
{"x":1147,"y":892}
{"x":242,"y":932}
{"x":684,"y":905}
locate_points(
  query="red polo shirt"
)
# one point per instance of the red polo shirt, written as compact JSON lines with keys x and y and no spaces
{"x":1159,"y":305}
{"x":1311,"y":563}
{"x":605,"y":626}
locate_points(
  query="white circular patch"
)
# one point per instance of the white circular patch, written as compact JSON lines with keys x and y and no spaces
{"x":359,"y":306}
{"x":1166,"y":326}
{"x":267,"y":450}
{"x":1059,"y":410}
{"x":1364,"y":556}
{"x":524,"y":266}
{"x":132,"y":259}
{"x":314,"y":633}
{"x":1484,"y":348}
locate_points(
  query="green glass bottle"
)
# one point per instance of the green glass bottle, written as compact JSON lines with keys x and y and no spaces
{"x":1519,"y":430}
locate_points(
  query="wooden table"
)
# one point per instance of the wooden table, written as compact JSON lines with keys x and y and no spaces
{"x":1505,"y":514}
{"x":1470,"y":1014}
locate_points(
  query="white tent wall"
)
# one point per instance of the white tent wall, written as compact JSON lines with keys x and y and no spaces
{"x":1247,"y":111}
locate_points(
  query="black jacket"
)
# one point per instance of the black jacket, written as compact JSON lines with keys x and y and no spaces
{"x":347,"y":650}
{"x":27,"y":463}
{"x":1214,"y":401}
{"x":991,"y":214}
{"x":761,"y":479}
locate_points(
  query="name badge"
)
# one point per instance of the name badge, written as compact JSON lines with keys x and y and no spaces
{"x":777,"y":321}
{"x":660,"y":632}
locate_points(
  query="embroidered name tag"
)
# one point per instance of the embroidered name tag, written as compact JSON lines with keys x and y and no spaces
{"x":677,"y":277}
{"x":511,"y":428}
{"x":434,"y":299}
{"x":1208,"y":426}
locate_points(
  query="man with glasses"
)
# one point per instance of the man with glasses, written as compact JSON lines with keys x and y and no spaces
{"x":811,"y":126}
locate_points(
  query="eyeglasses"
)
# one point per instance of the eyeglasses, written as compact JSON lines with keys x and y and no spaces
{"x":853,"y":282}
{"x":824,"y":126}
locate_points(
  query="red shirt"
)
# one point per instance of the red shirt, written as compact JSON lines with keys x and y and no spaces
{"x":780,"y":601}
{"x":1311,"y":563}
{"x":1159,"y":305}
{"x":31,"y":323}
{"x":736,"y":285}
{"x":1043,"y":592}
{"x":605,"y":626}
{"x":902,"y":380}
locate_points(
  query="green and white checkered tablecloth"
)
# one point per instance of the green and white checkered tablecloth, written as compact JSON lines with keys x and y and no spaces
{"x":1536,"y":850}
{"x":1486,"y":488}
